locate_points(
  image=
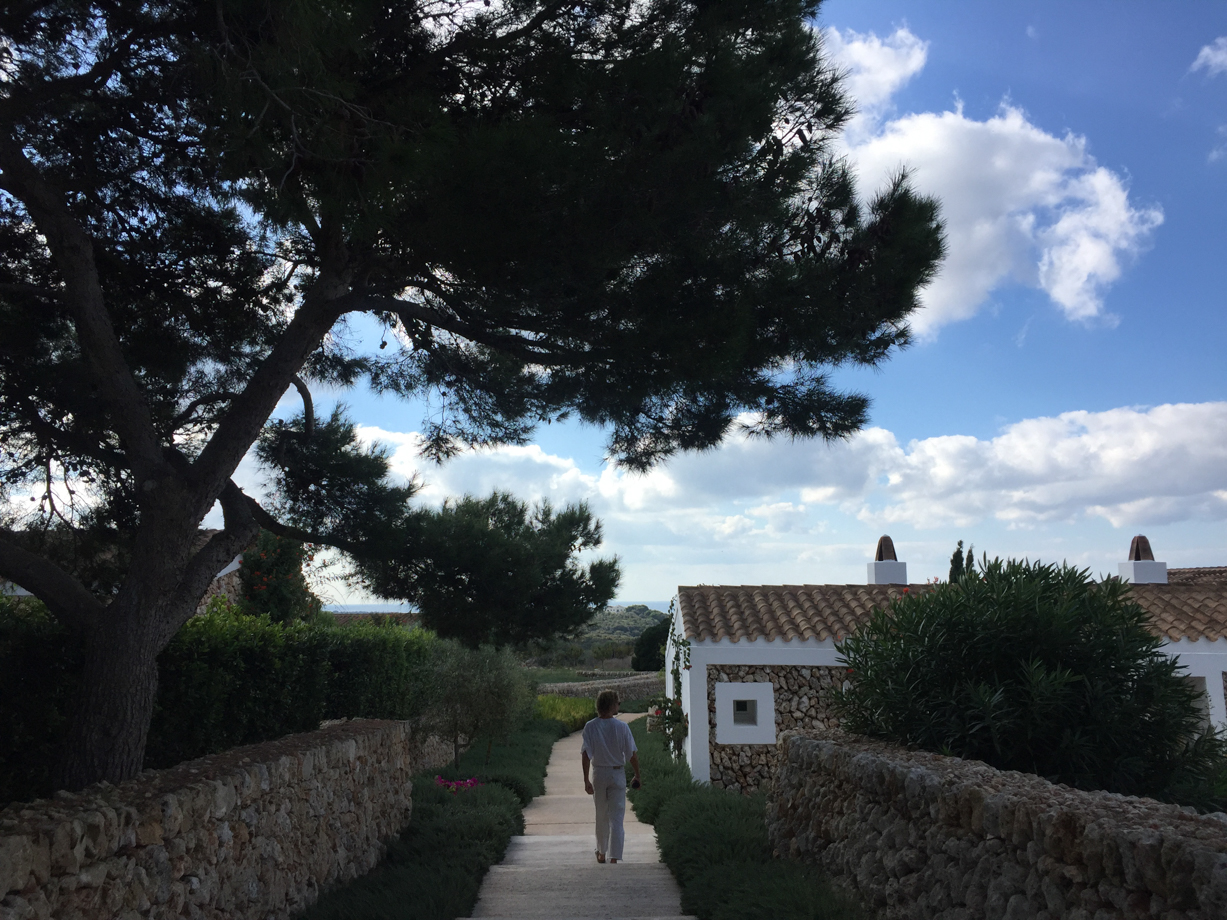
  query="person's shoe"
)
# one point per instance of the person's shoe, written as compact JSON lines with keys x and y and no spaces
{"x":600,"y":857}
{"x":612,"y":861}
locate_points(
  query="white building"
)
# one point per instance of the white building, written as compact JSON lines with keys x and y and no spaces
{"x":761,"y":658}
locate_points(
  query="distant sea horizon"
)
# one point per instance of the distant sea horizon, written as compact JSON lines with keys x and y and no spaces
{"x":662,"y":606}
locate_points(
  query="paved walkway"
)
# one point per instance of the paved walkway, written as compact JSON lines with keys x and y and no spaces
{"x":551,"y":872}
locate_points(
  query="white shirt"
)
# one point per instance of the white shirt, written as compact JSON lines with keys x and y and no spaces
{"x":608,"y":742}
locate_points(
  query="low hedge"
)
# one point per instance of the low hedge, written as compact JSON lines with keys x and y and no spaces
{"x":434,"y":870}
{"x":664,"y":777}
{"x":225,"y":679}
{"x":518,"y":763}
{"x":715,"y":843}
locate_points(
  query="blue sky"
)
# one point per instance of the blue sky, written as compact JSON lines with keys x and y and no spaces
{"x":1066,"y":389}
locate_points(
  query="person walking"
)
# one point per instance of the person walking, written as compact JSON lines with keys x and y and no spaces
{"x":608,"y":745}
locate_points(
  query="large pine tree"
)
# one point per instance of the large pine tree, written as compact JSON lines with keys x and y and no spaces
{"x":627,"y":212}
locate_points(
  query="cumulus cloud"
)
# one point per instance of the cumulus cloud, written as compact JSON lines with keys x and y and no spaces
{"x":1212,"y":58}
{"x":876,"y":68}
{"x":1020,"y":204}
{"x":1128,"y":466}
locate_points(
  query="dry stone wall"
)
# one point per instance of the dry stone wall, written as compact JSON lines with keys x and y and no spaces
{"x":255,"y":832}
{"x":802,"y":702}
{"x":640,"y":687}
{"x":925,"y":837}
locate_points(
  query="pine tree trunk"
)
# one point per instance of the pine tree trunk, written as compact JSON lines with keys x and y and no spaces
{"x":110,"y":721}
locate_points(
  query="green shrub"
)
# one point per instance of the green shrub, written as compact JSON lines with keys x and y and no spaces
{"x":433,"y":871}
{"x":517,"y":761}
{"x":780,"y":889}
{"x":272,"y":582}
{"x":650,"y":647}
{"x":225,"y":679}
{"x":716,"y":845}
{"x":228,"y":679}
{"x":664,"y":777}
{"x":705,"y":825}
{"x":573,"y":712}
{"x":1034,"y":668}
{"x":475,"y":693}
{"x":39,"y":662}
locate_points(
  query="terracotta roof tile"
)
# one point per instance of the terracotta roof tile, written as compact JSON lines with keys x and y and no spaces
{"x":788,"y":612}
{"x":1185,"y":611}
{"x":1204,"y":575}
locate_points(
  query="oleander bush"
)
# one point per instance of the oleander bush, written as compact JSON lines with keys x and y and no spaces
{"x":1035,"y":668}
{"x":715,"y":843}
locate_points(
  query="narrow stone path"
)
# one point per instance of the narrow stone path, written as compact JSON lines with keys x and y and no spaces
{"x":551,"y":872}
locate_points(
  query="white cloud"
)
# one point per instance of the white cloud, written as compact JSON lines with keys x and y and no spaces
{"x":876,"y":68}
{"x":759,"y":511}
{"x":1020,"y":204}
{"x":1220,"y":151}
{"x":527,"y":472}
{"x":1212,"y":58}
{"x":1128,"y":466}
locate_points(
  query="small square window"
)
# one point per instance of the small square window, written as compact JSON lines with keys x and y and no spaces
{"x":745,"y":712}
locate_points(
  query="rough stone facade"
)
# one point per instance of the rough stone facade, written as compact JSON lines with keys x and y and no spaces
{"x":229,"y":586}
{"x":925,"y":837}
{"x":801,"y":703}
{"x":255,"y":832}
{"x":642,"y":687}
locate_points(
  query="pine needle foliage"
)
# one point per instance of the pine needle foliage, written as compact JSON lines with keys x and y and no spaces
{"x":1031,"y":667}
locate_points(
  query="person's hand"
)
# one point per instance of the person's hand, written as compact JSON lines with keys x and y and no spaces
{"x":637,"y":783}
{"x":588,"y":786}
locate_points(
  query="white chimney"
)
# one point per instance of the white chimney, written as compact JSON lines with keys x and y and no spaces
{"x":885,"y":568}
{"x":1141,"y":569}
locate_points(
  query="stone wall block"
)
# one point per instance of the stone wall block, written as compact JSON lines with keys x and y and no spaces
{"x":924,"y":837}
{"x":258,"y":832}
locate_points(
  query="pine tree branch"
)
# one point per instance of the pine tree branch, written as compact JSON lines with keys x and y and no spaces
{"x":66,"y":598}
{"x":73,"y":250}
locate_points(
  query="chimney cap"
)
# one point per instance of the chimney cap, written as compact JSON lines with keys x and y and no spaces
{"x":1140,"y":551}
{"x":886,"y":550}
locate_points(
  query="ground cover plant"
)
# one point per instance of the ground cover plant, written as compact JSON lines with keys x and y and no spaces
{"x":433,"y":870}
{"x":463,"y":819}
{"x":572,"y":711}
{"x":715,"y":844}
{"x":517,"y":762}
{"x":1035,"y":668}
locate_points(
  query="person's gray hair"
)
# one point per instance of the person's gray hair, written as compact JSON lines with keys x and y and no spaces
{"x":606,"y":700}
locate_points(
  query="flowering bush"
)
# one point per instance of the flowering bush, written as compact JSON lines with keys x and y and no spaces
{"x":1036,"y":668}
{"x":455,"y":785}
{"x":272,"y":580}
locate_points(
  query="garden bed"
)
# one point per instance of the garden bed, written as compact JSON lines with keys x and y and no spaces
{"x":715,"y":844}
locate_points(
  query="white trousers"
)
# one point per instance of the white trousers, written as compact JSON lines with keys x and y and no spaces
{"x":609,"y":791}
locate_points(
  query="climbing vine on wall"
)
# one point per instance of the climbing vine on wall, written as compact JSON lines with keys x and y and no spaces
{"x":669,"y":718}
